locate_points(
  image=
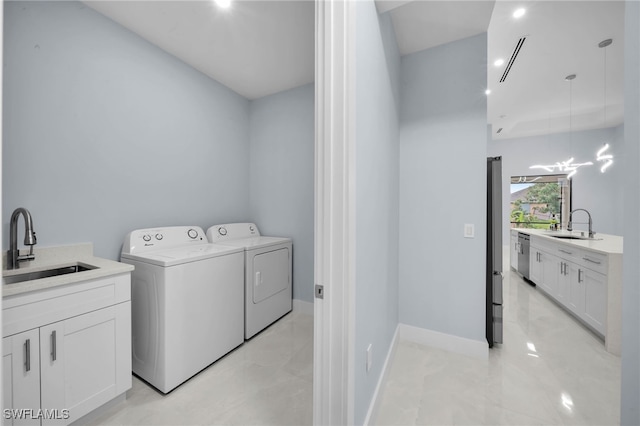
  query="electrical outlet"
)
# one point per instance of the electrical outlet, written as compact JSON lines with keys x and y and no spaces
{"x":369,"y":357}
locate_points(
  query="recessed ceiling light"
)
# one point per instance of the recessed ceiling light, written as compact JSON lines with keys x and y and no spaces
{"x":519,"y":13}
{"x":498,"y":62}
{"x":223,"y":3}
{"x":487,"y":92}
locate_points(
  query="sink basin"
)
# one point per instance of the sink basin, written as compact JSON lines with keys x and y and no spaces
{"x":570,"y":236}
{"x":36,"y":275}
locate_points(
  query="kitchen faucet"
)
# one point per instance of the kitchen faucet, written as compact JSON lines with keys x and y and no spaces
{"x":569,"y":228}
{"x":13,"y":254}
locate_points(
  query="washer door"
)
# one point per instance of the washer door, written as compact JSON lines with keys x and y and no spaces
{"x":270,"y":274}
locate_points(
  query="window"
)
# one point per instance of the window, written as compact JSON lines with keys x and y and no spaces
{"x":540,"y":201}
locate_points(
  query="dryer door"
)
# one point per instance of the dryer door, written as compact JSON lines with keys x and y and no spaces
{"x":270,"y":274}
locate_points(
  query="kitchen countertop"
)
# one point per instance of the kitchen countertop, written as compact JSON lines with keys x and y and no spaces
{"x":603,"y":243}
{"x":57,"y":257}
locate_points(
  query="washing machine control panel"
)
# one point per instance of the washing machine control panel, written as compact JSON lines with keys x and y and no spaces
{"x":232,"y":231}
{"x":142,"y":240}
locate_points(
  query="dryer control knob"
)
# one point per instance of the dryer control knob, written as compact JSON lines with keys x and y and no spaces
{"x":192,"y":233}
{"x":222,"y":231}
{"x":146,"y":237}
{"x":159,"y":237}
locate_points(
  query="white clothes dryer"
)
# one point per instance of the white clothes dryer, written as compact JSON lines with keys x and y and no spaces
{"x":268,"y":273}
{"x":187,"y":302}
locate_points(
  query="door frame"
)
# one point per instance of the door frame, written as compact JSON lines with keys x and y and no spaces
{"x":334,"y":257}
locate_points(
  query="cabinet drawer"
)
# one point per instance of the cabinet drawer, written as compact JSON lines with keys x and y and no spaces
{"x":597,"y":262}
{"x":31,"y":310}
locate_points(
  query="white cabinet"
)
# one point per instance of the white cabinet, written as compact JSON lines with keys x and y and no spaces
{"x":543,"y":269}
{"x":573,"y":277}
{"x":80,"y":354}
{"x":575,"y":295}
{"x":550,"y":272}
{"x":514,"y":250}
{"x":21,"y":376}
{"x":595,"y":299}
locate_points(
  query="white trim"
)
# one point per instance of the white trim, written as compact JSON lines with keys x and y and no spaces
{"x":334,"y":260}
{"x":303,"y":307}
{"x":373,"y":406}
{"x":449,"y":342}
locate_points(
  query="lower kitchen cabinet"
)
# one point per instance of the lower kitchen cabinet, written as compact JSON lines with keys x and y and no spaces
{"x":514,"y":250}
{"x":585,"y":280}
{"x":21,"y":375}
{"x":595,"y":299}
{"x":62,"y":370}
{"x":568,"y":279}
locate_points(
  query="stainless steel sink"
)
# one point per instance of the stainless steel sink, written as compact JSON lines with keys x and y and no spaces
{"x":36,"y":275}
{"x":570,"y":236}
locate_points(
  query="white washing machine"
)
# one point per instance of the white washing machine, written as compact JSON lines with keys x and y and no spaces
{"x":268,"y":273}
{"x":187,"y":302}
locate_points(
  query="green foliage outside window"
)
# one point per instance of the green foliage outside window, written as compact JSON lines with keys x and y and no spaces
{"x":544,"y":198}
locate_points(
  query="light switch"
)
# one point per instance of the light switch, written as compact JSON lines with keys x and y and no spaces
{"x":469,"y":231}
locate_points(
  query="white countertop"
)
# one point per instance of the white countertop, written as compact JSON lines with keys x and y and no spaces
{"x":602,"y":243}
{"x":57,"y":257}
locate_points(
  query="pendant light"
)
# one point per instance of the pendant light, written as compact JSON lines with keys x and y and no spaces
{"x":567,"y":166}
{"x":602,"y":155}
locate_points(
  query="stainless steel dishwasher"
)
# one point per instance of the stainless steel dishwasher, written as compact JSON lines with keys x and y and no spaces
{"x":523,"y":256}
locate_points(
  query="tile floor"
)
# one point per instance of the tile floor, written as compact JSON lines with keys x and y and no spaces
{"x":267,"y":381}
{"x":549,"y":371}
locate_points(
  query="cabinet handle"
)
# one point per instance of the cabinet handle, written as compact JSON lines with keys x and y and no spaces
{"x":592,"y":261}
{"x":579,"y":275}
{"x":562,"y":268}
{"x":27,"y":355}
{"x":565,"y":252}
{"x":54,"y":351}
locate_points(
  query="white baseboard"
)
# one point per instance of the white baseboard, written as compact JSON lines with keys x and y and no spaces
{"x":461,"y":345}
{"x":303,"y":307}
{"x":383,"y":376}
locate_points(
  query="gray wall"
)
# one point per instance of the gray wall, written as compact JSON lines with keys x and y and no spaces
{"x":376,"y":202}
{"x":600,"y":193}
{"x":105,"y":133}
{"x":630,"y":398}
{"x":443,"y":146}
{"x":281,"y":175}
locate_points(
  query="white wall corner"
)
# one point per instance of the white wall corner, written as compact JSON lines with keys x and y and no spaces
{"x":448,"y":342}
{"x":373,"y":406}
{"x":302,"y":307}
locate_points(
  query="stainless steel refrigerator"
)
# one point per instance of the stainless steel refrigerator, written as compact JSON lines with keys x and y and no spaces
{"x":494,"y":250}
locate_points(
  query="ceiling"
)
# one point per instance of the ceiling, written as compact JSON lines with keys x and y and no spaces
{"x":262,"y":47}
{"x":256,"y":48}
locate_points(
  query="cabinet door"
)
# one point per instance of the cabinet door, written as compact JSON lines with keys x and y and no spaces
{"x":564,"y":281}
{"x":550,"y":265}
{"x":80,"y":358}
{"x":575,"y":295}
{"x":514,"y":252}
{"x":21,"y":378}
{"x":535,"y":266}
{"x":595,"y":299}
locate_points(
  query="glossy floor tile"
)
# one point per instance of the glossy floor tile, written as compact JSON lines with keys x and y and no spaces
{"x":267,"y":381}
{"x":549,"y":371}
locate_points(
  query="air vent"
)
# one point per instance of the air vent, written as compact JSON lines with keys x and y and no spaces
{"x":514,"y":55}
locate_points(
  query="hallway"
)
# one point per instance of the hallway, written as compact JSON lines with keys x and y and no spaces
{"x":549,"y":371}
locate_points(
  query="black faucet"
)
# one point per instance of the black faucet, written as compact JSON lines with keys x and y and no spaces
{"x":13,"y":254}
